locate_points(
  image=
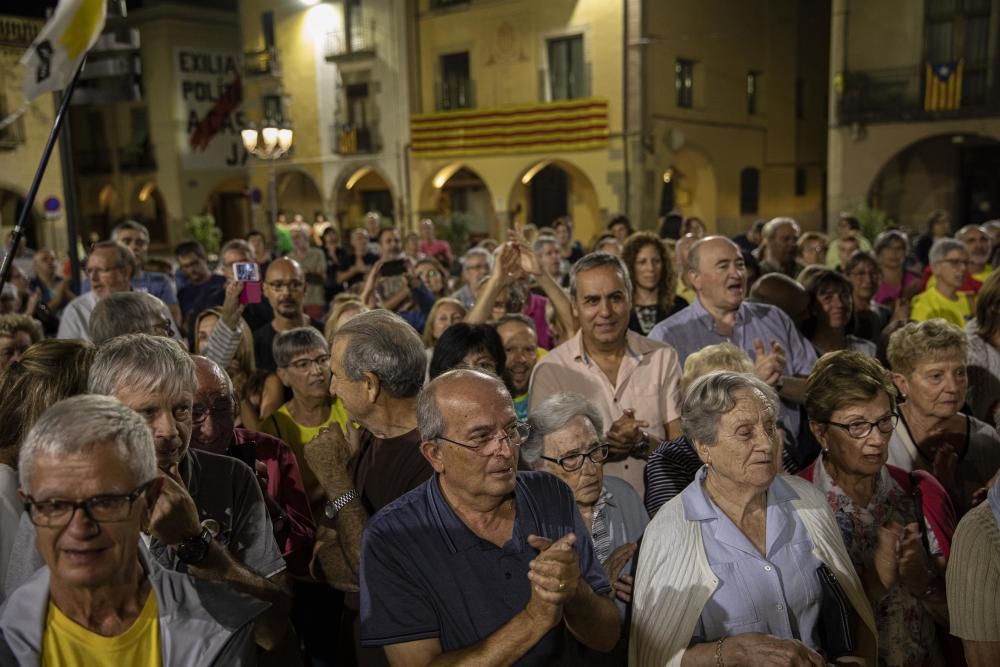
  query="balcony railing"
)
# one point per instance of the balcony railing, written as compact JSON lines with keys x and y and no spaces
{"x":18,"y":32}
{"x":358,"y":43}
{"x":452,"y":94}
{"x":136,"y":159}
{"x":354,"y":140}
{"x":261,"y":63}
{"x":897,"y":95}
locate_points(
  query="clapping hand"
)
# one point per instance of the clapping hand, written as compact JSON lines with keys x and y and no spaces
{"x":554,"y":574}
{"x":625,"y":432}
{"x":328,"y":456}
{"x":769,"y":366}
{"x":620,"y":584}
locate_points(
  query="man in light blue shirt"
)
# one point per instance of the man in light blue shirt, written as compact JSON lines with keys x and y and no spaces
{"x":782,"y":356}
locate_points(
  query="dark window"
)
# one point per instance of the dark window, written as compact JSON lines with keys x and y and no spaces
{"x":800,"y":182}
{"x":749,"y":191}
{"x":960,"y":30}
{"x":752,"y":80}
{"x":567,"y":76}
{"x":448,"y":3}
{"x":267,"y":28}
{"x":272,"y":108}
{"x":684,"y":81}
{"x":456,"y":87}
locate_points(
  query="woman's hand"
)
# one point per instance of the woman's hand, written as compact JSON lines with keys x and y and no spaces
{"x":621,"y":585}
{"x":232,"y":309}
{"x":914,"y":571}
{"x":886,"y":560}
{"x":755,"y":649}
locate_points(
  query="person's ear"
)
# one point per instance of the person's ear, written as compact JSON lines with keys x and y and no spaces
{"x":902,"y":383}
{"x":819,"y":431}
{"x":373,"y":386}
{"x":432,"y":452}
{"x":283,"y":376}
{"x":704,"y":453}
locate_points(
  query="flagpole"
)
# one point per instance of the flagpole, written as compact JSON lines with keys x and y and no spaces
{"x":29,"y":200}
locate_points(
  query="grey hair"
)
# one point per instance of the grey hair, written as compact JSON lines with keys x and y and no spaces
{"x":124,"y":313}
{"x":542,"y":241}
{"x":887,"y":237}
{"x":477,"y":251}
{"x":553,"y":414}
{"x":238,"y":244}
{"x":141,"y":361}
{"x":124,"y":254}
{"x":382,"y":343}
{"x":694,"y":252}
{"x":772,"y":226}
{"x":942,"y":247}
{"x":713,"y":395}
{"x":131,"y":225}
{"x":430,"y":421}
{"x":289,"y":344}
{"x":596,"y":260}
{"x":77,"y":424}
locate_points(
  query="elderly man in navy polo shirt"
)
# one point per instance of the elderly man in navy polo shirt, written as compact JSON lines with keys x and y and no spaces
{"x":480,"y":564}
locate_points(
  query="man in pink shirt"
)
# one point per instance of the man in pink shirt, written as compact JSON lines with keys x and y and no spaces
{"x":431,"y":246}
{"x":633,"y":381}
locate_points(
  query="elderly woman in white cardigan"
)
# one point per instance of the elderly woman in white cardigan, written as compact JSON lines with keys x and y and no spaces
{"x":729,"y":570}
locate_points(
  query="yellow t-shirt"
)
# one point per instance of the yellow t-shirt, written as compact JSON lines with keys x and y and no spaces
{"x":66,"y":644}
{"x":931,"y":303}
{"x":282,"y":425}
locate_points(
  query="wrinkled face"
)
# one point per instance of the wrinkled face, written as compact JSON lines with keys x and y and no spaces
{"x":107,"y":274}
{"x":951,"y":270}
{"x":835,"y":306}
{"x":892,"y":255}
{"x":83,"y":554}
{"x":977,"y":243}
{"x":194,"y":268}
{"x":521,"y":346}
{"x":783,"y":243}
{"x":12,"y":348}
{"x":865,"y":278}
{"x":168,"y":417}
{"x":390,"y":244}
{"x":213,"y":413}
{"x":845,"y":248}
{"x":285,"y":288}
{"x":45,"y":263}
{"x":936,"y":387}
{"x":747,"y":452}
{"x":602,"y":306}
{"x":136,"y":242}
{"x":308,"y":373}
{"x":576,"y":437}
{"x":860,"y":456}
{"x":353,"y":393}
{"x":648,"y":267}
{"x":206,"y":325}
{"x":234,"y":256}
{"x":477,"y":412}
{"x":447,"y":314}
{"x":814,"y":252}
{"x":721,"y":278}
{"x":551,"y":260}
{"x":431,"y":277}
{"x":475,"y":269}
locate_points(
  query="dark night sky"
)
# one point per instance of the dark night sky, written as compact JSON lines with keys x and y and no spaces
{"x":38,"y":8}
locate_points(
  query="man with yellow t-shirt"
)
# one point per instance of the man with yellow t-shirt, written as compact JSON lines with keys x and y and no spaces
{"x":89,"y":482}
{"x":949,"y":263}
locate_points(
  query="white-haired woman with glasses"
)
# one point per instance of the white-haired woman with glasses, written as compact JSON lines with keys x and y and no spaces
{"x":565,"y":440}
{"x":744,"y":562}
{"x":897,"y":526}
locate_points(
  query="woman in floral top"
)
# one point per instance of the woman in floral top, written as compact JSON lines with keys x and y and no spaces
{"x":897,"y":526}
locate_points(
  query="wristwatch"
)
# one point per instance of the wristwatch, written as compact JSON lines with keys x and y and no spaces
{"x":334,"y":506}
{"x":194,"y":549}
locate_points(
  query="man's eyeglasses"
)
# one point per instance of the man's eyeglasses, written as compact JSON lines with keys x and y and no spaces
{"x":108,"y":508}
{"x":222,"y":406}
{"x":165,"y":326}
{"x":290,"y":285}
{"x":573,"y":462}
{"x":515,"y":435}
{"x":303,"y":365}
{"x":92,"y":271}
{"x":861,"y":428}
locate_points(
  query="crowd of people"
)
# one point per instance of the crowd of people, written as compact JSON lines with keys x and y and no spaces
{"x":366,"y":446}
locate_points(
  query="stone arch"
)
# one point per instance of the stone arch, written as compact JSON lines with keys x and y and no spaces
{"x":546,"y":189}
{"x":148,"y":206}
{"x":455,"y":188}
{"x":360,"y":189}
{"x":695,"y":190}
{"x":229,"y":204}
{"x":298,"y":193}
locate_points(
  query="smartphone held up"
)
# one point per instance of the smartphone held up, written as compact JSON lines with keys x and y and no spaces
{"x":248,"y":273}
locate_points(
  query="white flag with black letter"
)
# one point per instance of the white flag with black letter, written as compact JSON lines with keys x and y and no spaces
{"x":63,"y":41}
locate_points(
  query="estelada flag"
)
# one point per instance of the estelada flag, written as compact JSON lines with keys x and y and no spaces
{"x":943,"y":86}
{"x":61,"y":44}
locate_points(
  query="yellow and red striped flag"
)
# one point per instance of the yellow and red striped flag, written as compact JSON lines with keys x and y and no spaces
{"x":943,"y":86}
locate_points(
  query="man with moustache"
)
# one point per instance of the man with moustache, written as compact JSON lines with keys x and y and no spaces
{"x":284,"y":287}
{"x":110,"y":267}
{"x":520,"y":343}
{"x":210,"y":518}
{"x":633,"y":382}
{"x":480,"y":564}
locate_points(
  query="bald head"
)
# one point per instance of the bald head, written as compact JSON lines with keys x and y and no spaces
{"x":284,"y":287}
{"x":463,"y":386}
{"x":213,"y":413}
{"x":211,"y":375}
{"x":699,"y":246}
{"x":779,"y":290}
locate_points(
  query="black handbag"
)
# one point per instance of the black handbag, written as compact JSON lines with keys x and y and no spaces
{"x":837,"y":618}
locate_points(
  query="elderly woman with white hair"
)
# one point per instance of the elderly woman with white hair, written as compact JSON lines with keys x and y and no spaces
{"x":565,"y":440}
{"x":745,"y":562}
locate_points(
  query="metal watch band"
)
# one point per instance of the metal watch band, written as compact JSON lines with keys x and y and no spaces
{"x":334,"y":506}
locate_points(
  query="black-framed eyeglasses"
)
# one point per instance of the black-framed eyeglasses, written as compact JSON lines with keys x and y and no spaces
{"x":108,"y":508}
{"x":861,"y":428}
{"x":515,"y":435}
{"x":573,"y":462}
{"x":165,"y":326}
{"x":291,"y":285}
{"x":221,"y":406}
{"x":303,"y":365}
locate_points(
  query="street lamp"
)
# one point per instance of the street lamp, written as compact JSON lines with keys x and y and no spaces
{"x":270,"y":143}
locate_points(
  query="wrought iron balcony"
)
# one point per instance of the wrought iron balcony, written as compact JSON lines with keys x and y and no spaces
{"x":351,"y":139}
{"x":357,"y":43}
{"x":452,"y":94}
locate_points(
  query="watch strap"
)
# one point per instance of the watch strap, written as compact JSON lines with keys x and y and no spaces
{"x":334,"y":506}
{"x":194,"y":549}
